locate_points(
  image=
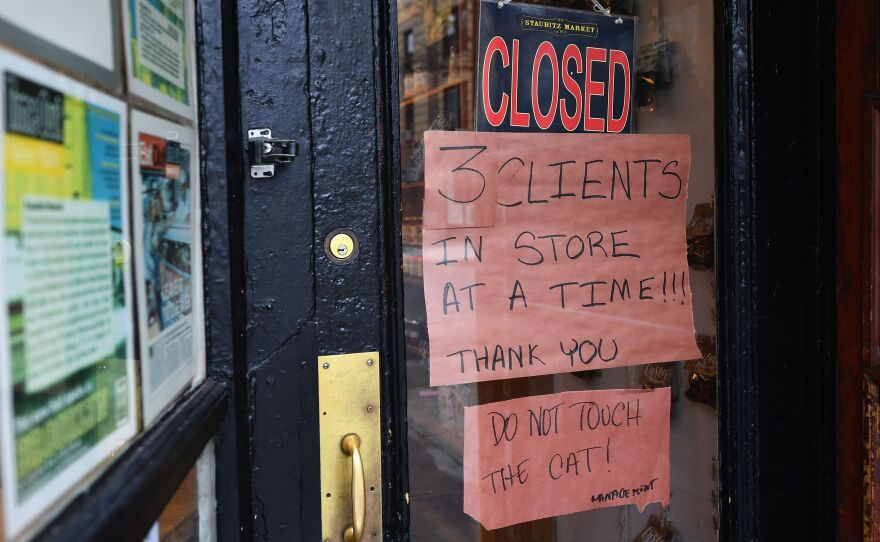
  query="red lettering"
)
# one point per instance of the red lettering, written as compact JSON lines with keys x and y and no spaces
{"x":496,"y":45}
{"x":546,"y":49}
{"x":570,"y":122}
{"x":517,"y":118}
{"x":618,"y":58}
{"x":593,"y":88}
{"x":576,"y":103}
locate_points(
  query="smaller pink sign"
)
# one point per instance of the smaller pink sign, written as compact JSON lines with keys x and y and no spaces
{"x":550,"y":455}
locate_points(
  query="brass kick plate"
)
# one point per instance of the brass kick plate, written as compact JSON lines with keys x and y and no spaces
{"x":348,"y":398}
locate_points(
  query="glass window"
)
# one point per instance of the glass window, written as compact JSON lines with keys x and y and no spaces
{"x":674,"y":94}
{"x":101,"y":325}
{"x":190,"y":514}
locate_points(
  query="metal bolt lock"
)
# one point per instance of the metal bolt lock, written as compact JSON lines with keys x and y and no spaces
{"x":341,"y":245}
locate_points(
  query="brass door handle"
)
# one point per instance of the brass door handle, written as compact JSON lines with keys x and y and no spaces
{"x":351,"y":444}
{"x":349,"y":403}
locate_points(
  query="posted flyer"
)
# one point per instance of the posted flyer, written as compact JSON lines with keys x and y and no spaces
{"x":159,"y":49}
{"x":167,"y":247}
{"x":67,"y":349}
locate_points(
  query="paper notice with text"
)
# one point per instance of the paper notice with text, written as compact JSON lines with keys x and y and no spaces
{"x":159,"y":50}
{"x":160,"y":41}
{"x":68,"y":287}
{"x":551,"y":253}
{"x":549,"y":455}
{"x":168,"y":274}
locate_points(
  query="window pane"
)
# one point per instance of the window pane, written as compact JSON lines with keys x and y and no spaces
{"x":189,"y":515}
{"x":101,"y":325}
{"x":674,"y":95}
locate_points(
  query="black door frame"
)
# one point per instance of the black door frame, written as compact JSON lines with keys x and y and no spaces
{"x":325,"y":73}
{"x":775,"y":189}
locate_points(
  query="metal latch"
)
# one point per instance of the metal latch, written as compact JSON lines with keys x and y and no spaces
{"x":266,"y":152}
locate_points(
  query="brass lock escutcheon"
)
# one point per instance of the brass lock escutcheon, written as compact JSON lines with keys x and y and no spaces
{"x":351,"y":447}
{"x":341,"y":245}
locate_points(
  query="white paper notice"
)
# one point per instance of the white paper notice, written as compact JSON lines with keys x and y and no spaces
{"x":68,"y":287}
{"x":160,"y":41}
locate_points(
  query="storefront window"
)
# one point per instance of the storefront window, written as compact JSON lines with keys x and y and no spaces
{"x":674,"y":75}
{"x":101,"y":318}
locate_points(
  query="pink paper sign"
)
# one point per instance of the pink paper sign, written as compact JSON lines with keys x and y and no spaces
{"x":549,"y":455}
{"x":552,"y":253}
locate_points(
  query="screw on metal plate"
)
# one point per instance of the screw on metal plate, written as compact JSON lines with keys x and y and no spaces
{"x":370,"y":362}
{"x":341,"y":245}
{"x":326,"y":366}
{"x":267,"y":152}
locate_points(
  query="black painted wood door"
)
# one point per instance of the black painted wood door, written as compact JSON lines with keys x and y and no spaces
{"x":316,"y":72}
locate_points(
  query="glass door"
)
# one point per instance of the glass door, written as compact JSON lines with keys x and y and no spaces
{"x":674,"y":72}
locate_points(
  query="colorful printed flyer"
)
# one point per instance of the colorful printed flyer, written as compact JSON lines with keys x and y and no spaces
{"x":67,"y":380}
{"x":168,"y":251}
{"x":549,"y":455}
{"x":550,"y":253}
{"x":159,"y":50}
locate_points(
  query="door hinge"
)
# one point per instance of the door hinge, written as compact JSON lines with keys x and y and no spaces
{"x":266,"y":152}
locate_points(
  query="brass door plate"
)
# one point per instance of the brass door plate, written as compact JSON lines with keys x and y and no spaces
{"x":348,"y":399}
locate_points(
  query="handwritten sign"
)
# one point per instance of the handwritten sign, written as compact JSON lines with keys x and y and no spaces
{"x":544,"y":456}
{"x":550,"y":253}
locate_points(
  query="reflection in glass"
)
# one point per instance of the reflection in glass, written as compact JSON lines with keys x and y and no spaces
{"x":189,"y":515}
